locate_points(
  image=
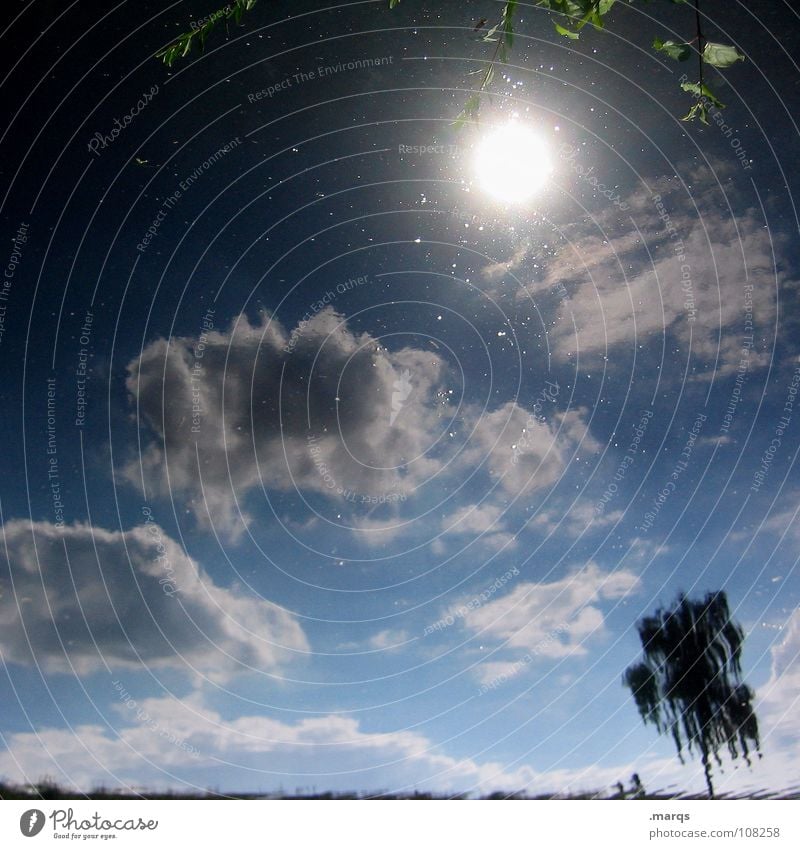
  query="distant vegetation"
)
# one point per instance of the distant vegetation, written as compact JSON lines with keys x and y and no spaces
{"x":50,"y":791}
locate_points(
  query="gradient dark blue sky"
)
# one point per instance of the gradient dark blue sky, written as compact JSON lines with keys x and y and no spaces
{"x":370,"y":475}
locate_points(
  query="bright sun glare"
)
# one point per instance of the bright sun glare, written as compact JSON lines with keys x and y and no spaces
{"x":512,"y":163}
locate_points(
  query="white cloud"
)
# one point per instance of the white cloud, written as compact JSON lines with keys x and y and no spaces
{"x":472,"y":519}
{"x":480,"y":521}
{"x":522,"y":452}
{"x":493,"y":671}
{"x":309,"y":411}
{"x":82,"y":597}
{"x":780,"y":696}
{"x":377,"y":532}
{"x":618,"y":295}
{"x":785,"y":523}
{"x":186,"y":744}
{"x":495,"y":271}
{"x":328,"y":750}
{"x":553,"y":619}
{"x":313,"y":411}
{"x":575,"y":519}
{"x":390,"y":638}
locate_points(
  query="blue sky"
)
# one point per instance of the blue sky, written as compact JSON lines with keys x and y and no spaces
{"x":354,"y":477}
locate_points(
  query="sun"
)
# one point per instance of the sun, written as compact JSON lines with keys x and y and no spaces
{"x":512,"y":163}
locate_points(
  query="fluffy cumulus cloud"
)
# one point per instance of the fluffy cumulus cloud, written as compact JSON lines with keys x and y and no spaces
{"x":678,"y":261}
{"x":186,"y":744}
{"x":522,"y":451}
{"x":482,"y":522}
{"x":321,"y":409}
{"x":160,"y":742}
{"x":165,"y":743}
{"x":85,"y":599}
{"x":550,"y":620}
{"x":324,"y":410}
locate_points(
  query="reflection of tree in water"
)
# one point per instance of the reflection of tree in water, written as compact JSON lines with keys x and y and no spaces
{"x":689,"y":683}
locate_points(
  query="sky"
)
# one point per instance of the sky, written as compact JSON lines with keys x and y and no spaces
{"x":344,"y":447}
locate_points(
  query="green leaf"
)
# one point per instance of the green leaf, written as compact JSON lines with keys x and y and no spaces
{"x":703,"y":92}
{"x":470,"y":110}
{"x":567,"y":33}
{"x":508,"y":22}
{"x":721,"y":55}
{"x":182,"y":45}
{"x":697,"y":111}
{"x":393,"y":3}
{"x":674,"y":49}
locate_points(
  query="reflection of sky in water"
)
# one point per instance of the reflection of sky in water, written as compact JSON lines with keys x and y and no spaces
{"x":367,"y":475}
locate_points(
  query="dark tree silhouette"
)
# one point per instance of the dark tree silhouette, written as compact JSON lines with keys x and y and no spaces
{"x":689,"y":683}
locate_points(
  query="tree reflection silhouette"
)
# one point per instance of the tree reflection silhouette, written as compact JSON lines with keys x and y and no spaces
{"x":689,"y":682}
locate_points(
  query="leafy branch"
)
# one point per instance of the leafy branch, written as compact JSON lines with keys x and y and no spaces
{"x":570,"y":18}
{"x":183,"y":44}
{"x":708,"y":53}
{"x":502,"y":34}
{"x":573,"y":15}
